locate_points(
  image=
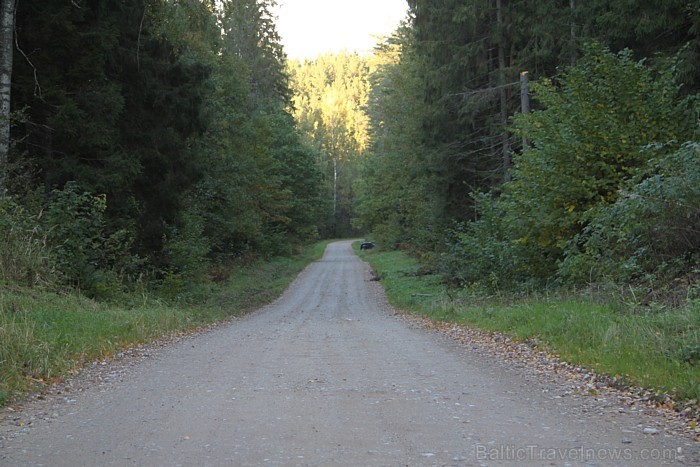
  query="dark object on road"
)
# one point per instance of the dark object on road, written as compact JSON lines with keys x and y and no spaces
{"x":367,"y":246}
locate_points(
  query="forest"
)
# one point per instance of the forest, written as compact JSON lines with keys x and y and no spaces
{"x":594,"y":182}
{"x":164,"y":165}
{"x":156,"y":141}
{"x":150,"y":142}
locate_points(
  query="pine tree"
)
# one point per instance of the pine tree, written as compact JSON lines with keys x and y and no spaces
{"x":251,"y":35}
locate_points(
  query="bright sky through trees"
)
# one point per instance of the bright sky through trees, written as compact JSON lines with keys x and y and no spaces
{"x":311,"y":27}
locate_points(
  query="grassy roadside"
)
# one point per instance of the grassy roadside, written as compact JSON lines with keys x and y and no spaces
{"x":655,"y":350}
{"x":44,"y":335}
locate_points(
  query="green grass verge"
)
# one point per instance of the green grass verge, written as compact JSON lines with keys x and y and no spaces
{"x":655,"y":350}
{"x":44,"y":335}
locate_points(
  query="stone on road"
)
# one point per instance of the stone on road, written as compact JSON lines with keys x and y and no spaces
{"x":327,"y":376}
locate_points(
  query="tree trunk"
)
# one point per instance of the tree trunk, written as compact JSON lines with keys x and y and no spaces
{"x":572,"y":25}
{"x":7,"y":23}
{"x":335,"y":189}
{"x":505,"y":144}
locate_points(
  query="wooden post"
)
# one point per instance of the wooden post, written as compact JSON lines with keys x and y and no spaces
{"x":525,"y":99}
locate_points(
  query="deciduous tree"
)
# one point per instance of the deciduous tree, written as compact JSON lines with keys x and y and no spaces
{"x":7,"y":25}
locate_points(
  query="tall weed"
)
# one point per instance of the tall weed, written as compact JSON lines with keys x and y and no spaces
{"x":24,"y":253}
{"x":23,"y":357}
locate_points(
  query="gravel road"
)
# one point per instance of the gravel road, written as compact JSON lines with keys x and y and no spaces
{"x":327,"y":375}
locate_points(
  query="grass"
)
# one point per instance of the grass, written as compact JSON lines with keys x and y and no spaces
{"x":45,"y":336}
{"x":655,"y":350}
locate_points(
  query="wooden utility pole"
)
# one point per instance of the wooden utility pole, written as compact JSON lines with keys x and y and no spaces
{"x":7,"y":27}
{"x":525,"y":99}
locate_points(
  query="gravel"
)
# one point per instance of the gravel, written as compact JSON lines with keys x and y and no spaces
{"x":330,"y":375}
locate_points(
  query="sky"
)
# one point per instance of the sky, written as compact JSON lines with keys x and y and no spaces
{"x":311,"y":27}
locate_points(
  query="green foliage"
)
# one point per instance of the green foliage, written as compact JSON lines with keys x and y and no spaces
{"x":174,"y":112}
{"x":250,"y":33}
{"x":399,"y":198}
{"x":581,"y":197}
{"x":81,"y":251}
{"x":64,"y":241}
{"x":587,"y":146}
{"x":23,"y":254}
{"x":482,"y":251}
{"x":650,"y":29}
{"x":260,"y":187}
{"x":329,"y":103}
{"x":74,"y":226}
{"x":442,"y":129}
{"x":652,"y":229}
{"x":187,"y":248}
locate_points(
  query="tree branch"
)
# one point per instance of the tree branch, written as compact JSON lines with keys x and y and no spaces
{"x":138,"y":39}
{"x":37,"y":86}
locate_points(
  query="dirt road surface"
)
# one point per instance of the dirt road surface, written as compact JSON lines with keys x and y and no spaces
{"x":328,"y":376}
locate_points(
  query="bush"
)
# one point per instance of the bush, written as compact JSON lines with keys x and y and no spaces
{"x":604,"y":188}
{"x":653,"y":229}
{"x":64,"y":240}
{"x":187,"y":247}
{"x":587,"y":143}
{"x":74,"y":224}
{"x":481,"y":251}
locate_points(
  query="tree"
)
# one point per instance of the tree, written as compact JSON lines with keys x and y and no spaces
{"x":399,"y":199}
{"x":7,"y":24}
{"x":176,"y":115}
{"x":651,"y":231}
{"x":649,"y":29}
{"x":251,"y":35}
{"x":259,"y":187}
{"x":588,"y":148}
{"x":331,"y":94}
{"x":119,"y":117}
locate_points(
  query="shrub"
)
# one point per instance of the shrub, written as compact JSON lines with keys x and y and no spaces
{"x":480,"y":251}
{"x":74,"y":224}
{"x":187,"y":247}
{"x":587,"y":143}
{"x":654,"y":228}
{"x":64,"y":240}
{"x":604,"y":161}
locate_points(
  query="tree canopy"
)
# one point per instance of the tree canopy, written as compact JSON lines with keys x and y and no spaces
{"x":613,"y":93}
{"x":176,"y":114}
{"x":174,"y":135}
{"x":331,"y":94}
